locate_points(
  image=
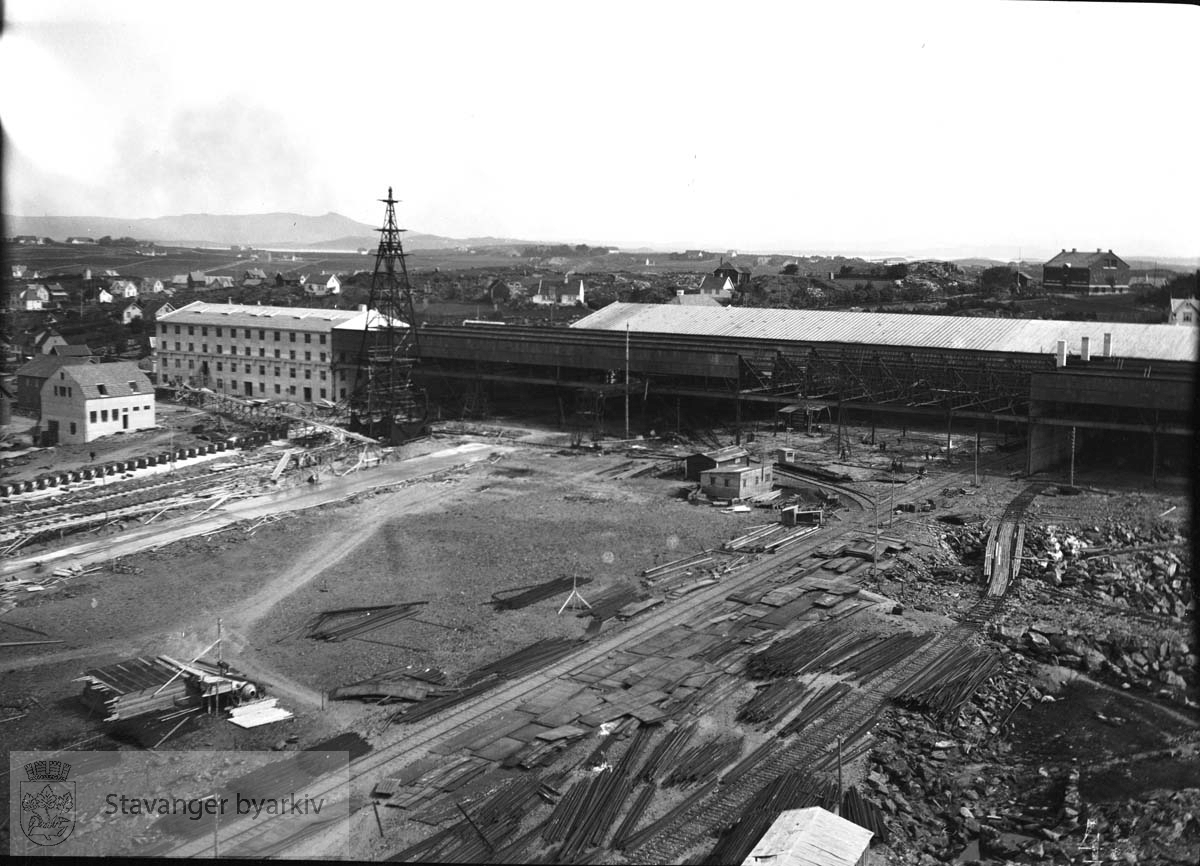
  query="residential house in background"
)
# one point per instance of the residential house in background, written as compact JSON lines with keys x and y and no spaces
{"x":83,"y":402}
{"x":180,"y":281}
{"x":1086,"y":273}
{"x":98,"y":295}
{"x":197,"y":280}
{"x":736,"y":276}
{"x":319,"y":285}
{"x":46,"y":341}
{"x":1184,"y":311}
{"x":717,"y":287}
{"x":123,"y":289}
{"x":18,"y":271}
{"x":151,"y":286}
{"x":80,"y":240}
{"x":129,"y":312}
{"x":220,"y":282}
{"x":29,"y":240}
{"x":33,"y":374}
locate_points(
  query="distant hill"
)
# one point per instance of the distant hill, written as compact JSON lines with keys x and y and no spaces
{"x":245,"y":229}
{"x":273,"y":230}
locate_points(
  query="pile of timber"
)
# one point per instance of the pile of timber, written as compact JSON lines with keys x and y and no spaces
{"x":136,"y":686}
{"x":533,"y":593}
{"x":348,"y":622}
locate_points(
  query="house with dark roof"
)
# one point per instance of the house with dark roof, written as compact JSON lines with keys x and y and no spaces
{"x":717,"y":287}
{"x":737,"y":276}
{"x":83,"y":402}
{"x":123,"y":289}
{"x":197,"y":280}
{"x":1086,"y":273}
{"x":32,"y":375}
{"x":320,"y":285}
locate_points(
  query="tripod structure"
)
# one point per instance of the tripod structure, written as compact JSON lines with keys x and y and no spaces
{"x":575,"y":599}
{"x":386,"y":406}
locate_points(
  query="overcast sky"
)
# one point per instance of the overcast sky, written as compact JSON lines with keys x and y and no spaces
{"x":870,"y":127}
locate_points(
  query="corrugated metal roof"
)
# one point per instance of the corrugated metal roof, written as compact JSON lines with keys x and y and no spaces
{"x":254,"y":316}
{"x":1027,"y":336}
{"x":810,"y":837}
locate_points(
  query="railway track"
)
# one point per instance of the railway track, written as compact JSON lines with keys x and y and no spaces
{"x":861,"y":500}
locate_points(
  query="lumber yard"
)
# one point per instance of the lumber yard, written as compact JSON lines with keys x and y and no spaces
{"x":687,"y":585}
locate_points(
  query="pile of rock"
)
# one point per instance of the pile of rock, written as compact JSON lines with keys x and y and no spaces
{"x":1165,"y":664}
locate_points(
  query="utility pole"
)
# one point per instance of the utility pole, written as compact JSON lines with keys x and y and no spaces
{"x":1071,"y":477}
{"x":977,"y":457}
{"x":626,"y":380}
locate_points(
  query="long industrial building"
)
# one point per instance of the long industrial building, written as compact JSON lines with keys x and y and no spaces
{"x":1088,"y":389}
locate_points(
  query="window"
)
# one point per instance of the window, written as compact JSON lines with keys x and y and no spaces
{"x":178,"y":362}
{"x":291,"y":336}
{"x":292,"y":355}
{"x":322,"y":375}
{"x":245,"y":368}
{"x":276,"y":336}
{"x":308,"y":374}
{"x":262,"y":370}
{"x":308,"y":338}
{"x":247,"y":351}
{"x":191,"y":330}
{"x":322,"y":357}
{"x":204,"y":330}
{"x":292,"y":373}
{"x":176,"y":330}
{"x":276,"y":353}
{"x":177,"y":346}
{"x":277,"y":369}
{"x":220,"y":349}
{"x":308,"y":356}
{"x":276,"y":388}
{"x":1187,"y":317}
{"x":220,"y":384}
{"x":72,"y":428}
{"x":92,"y":416}
{"x":220,"y":366}
{"x":291,"y":389}
{"x":162,"y":329}
{"x":246,"y":333}
{"x":191,"y":347}
{"x":218,"y":332}
{"x":322,"y":339}
{"x":262,"y":353}
{"x":204,"y":348}
{"x":322,"y":393}
{"x":191,"y":363}
{"x":261,"y":387}
{"x":103,"y":389}
{"x":133,"y":386}
{"x":103,"y":414}
{"x":342,"y":375}
{"x":342,"y":393}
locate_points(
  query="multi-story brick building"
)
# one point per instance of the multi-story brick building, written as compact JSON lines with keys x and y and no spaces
{"x":272,"y":353}
{"x":1087,"y":273}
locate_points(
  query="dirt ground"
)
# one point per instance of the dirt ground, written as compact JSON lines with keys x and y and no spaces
{"x":537,"y":514}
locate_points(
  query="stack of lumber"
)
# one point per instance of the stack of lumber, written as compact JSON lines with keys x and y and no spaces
{"x":133,"y":687}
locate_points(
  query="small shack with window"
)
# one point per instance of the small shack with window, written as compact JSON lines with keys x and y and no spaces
{"x":738,"y":482}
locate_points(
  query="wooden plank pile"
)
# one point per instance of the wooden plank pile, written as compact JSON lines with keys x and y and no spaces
{"x":349,"y":622}
{"x":134,"y":687}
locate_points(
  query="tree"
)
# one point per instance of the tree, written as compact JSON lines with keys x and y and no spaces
{"x":998,"y":280}
{"x":790,"y":270}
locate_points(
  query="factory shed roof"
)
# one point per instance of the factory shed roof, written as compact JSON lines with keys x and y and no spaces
{"x":901,"y":330}
{"x":256,"y":316}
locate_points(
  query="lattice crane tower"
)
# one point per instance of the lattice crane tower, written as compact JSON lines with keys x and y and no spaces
{"x":386,"y":405}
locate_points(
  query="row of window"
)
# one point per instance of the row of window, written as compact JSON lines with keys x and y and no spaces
{"x":115,"y":414}
{"x":62,"y":390}
{"x":262,"y":334}
{"x":262,"y":353}
{"x":262,"y":370}
{"x":262,"y":388}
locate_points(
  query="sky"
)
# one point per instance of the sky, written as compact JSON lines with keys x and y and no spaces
{"x":965,"y":127}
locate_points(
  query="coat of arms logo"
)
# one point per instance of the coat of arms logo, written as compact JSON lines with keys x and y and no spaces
{"x":47,"y":802}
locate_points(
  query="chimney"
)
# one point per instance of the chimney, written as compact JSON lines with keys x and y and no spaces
{"x":1060,"y":354}
{"x":1108,"y":345}
{"x":1085,"y":349}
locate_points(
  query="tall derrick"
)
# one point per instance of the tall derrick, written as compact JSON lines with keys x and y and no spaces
{"x":386,"y":406}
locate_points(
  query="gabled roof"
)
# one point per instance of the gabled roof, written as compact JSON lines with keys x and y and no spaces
{"x":1077,"y":259}
{"x":729,"y":452}
{"x":1178,"y":304}
{"x":961,"y":333}
{"x":82,"y":350}
{"x":121,"y":379}
{"x":43,"y":365}
{"x":714,"y":284}
{"x":196,"y":276}
{"x":257,"y":316}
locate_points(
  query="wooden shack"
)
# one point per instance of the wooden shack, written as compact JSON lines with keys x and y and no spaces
{"x":731,"y":456}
